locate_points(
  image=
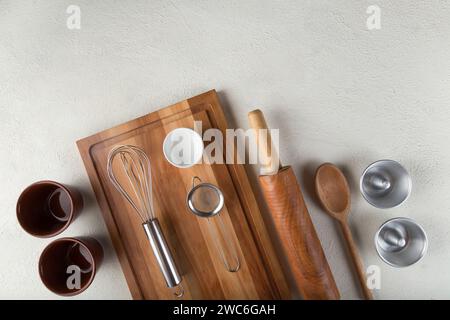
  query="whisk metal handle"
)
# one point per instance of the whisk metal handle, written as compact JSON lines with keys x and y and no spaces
{"x":162,"y":253}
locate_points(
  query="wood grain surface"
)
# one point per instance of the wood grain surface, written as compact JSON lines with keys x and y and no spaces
{"x":204,"y":276}
{"x":298,"y":236}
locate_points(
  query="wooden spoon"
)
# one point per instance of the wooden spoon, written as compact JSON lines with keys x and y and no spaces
{"x":334,"y":194}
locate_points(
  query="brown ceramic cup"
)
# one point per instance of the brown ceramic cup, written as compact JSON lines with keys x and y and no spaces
{"x":46,"y":208}
{"x":67,"y":266}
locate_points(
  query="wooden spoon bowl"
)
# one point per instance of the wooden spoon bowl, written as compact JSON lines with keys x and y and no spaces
{"x":333,"y":191}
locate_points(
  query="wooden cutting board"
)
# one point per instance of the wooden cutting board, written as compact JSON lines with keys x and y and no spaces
{"x":204,"y":275}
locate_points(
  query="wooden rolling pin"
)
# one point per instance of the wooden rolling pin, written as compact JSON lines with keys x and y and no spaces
{"x":292,"y":221}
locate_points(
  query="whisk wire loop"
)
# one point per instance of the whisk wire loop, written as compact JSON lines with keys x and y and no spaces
{"x":136,"y":166}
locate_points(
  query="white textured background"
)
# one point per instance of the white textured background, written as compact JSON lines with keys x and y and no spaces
{"x":340,"y":93}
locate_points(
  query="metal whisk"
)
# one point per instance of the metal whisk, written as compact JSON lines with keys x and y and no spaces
{"x":136,"y":166}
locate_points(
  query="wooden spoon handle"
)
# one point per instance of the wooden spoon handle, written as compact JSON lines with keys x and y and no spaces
{"x":356,"y":260}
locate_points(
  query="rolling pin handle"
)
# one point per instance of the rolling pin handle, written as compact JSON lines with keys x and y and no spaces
{"x":266,"y":147}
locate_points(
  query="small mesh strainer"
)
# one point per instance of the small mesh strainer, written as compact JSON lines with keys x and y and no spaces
{"x":206,"y":200}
